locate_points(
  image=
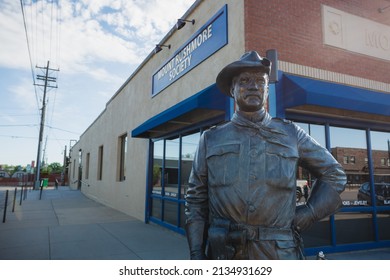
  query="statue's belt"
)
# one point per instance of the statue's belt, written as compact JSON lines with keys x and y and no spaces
{"x":258,"y":233}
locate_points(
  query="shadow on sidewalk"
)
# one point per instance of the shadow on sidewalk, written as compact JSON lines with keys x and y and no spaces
{"x":66,"y":225}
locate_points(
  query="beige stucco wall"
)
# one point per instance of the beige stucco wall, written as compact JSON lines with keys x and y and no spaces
{"x":132,"y":105}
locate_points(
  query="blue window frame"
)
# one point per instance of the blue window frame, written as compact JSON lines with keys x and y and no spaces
{"x":170,"y":163}
{"x":363,"y":222}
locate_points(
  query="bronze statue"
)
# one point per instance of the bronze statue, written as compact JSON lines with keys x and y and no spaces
{"x":241,"y":199}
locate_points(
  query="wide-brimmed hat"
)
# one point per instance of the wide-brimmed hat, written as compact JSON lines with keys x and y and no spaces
{"x":249,"y":62}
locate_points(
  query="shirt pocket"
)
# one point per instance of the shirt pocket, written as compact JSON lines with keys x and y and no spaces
{"x":281,"y":164}
{"x":223,"y":164}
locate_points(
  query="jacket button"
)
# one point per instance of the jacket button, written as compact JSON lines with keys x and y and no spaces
{"x":253,"y":153}
{"x":252,"y":208}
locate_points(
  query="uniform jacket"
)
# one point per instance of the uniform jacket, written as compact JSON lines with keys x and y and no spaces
{"x":246,"y":172}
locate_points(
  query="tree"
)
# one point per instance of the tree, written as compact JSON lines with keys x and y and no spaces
{"x":156,"y":176}
{"x":54,"y":167}
{"x":11,"y":169}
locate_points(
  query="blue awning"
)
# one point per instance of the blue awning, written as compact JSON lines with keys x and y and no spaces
{"x":304,"y":91}
{"x":208,"y":104}
{"x":299,"y":96}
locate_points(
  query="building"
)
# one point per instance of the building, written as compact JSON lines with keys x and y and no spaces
{"x":332,"y":60}
{"x":4,"y":174}
{"x":355,"y":164}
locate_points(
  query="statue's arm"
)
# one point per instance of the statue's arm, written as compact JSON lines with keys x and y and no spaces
{"x":325,"y":198}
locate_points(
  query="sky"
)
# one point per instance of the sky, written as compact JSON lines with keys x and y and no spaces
{"x":92,"y":47}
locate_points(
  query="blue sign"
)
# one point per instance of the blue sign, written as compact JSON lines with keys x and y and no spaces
{"x":205,"y":42}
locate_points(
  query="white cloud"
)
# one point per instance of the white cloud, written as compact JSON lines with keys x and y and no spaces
{"x":84,"y":32}
{"x":13,"y":47}
{"x":23,"y":96}
{"x":96,"y":44}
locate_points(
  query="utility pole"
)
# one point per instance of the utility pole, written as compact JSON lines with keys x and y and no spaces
{"x":46,"y":85}
{"x":44,"y":163}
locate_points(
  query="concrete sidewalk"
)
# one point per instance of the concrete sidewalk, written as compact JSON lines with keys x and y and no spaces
{"x":66,"y":225}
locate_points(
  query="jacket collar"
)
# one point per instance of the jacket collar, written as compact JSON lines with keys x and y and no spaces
{"x":262,"y":125}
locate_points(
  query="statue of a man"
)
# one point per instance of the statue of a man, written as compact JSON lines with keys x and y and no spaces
{"x":241,"y":199}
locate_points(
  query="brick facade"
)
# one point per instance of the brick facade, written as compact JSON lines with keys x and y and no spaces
{"x":294,"y":28}
{"x":355,"y":162}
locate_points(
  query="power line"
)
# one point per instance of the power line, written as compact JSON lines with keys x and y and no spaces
{"x":45,"y":43}
{"x":62,"y":130}
{"x":17,"y":115}
{"x":34,"y":125}
{"x":58,"y":34}
{"x":14,"y":125}
{"x":31,"y":137}
{"x":15,"y":136}
{"x":29,"y":51}
{"x":43,"y":31}
{"x":51,"y":27}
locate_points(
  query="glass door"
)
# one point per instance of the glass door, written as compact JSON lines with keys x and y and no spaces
{"x":170,"y":170}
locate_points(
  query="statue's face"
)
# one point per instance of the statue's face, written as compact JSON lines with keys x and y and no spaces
{"x":250,"y":91}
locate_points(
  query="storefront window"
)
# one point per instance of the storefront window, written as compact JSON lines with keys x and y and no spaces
{"x":354,"y":227}
{"x":157,"y":166}
{"x":171,"y":180}
{"x":314,"y":130}
{"x":304,"y":178}
{"x":171,"y":168}
{"x":156,"y":208}
{"x":170,"y":212}
{"x":319,"y":233}
{"x":349,"y":148}
{"x":380,"y":142}
{"x":189,"y":146}
{"x":157,"y":179}
{"x":383,"y":219}
{"x":170,"y":177}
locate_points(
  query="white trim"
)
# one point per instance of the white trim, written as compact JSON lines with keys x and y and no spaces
{"x":339,"y":78}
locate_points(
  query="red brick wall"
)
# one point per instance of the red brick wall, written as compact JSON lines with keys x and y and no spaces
{"x":294,"y":28}
{"x":29,"y":180}
{"x":360,"y":164}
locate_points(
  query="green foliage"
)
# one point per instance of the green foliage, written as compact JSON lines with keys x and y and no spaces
{"x":156,"y":175}
{"x":54,"y":167}
{"x":11,"y":169}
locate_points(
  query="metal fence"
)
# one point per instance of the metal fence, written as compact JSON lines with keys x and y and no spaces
{"x":10,"y":197}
